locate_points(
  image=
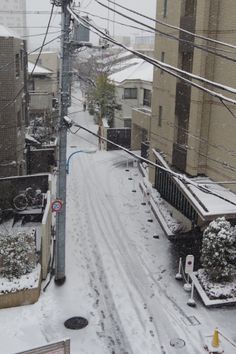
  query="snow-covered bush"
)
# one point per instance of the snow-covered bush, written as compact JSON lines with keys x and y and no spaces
{"x":218,"y":250}
{"x":17,"y":252}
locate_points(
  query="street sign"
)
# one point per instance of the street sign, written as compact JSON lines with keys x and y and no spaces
{"x":189,"y":263}
{"x":56,"y":205}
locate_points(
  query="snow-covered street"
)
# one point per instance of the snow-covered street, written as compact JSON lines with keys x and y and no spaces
{"x":120,"y":278}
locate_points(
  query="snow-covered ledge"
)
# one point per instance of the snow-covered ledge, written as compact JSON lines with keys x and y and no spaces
{"x":205,"y":298}
{"x":20,"y":291}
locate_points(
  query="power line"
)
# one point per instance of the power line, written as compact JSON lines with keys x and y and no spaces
{"x":170,"y":36}
{"x":186,"y":131}
{"x":33,"y":51}
{"x":151,"y":31}
{"x":19,"y":92}
{"x":173,"y":27}
{"x":185,"y":180}
{"x":163,"y":66}
{"x":44,"y":39}
{"x":39,"y":34}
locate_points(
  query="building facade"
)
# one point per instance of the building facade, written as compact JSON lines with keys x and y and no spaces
{"x":195,"y":131}
{"x":192,"y":132}
{"x":13,"y":15}
{"x":13,"y":103}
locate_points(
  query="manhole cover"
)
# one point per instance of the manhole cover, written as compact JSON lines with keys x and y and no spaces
{"x":177,"y":343}
{"x":76,"y":323}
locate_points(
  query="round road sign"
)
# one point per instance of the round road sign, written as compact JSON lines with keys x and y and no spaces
{"x":56,"y":205}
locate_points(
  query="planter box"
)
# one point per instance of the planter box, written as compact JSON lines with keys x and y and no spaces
{"x":21,"y":297}
{"x":206,"y":300}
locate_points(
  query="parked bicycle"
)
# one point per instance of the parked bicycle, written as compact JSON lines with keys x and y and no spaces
{"x":28,"y":198}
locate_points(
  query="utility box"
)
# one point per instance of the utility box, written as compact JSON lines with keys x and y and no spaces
{"x":81,"y":33}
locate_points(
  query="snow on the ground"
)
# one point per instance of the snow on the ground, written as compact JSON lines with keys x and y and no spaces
{"x":117,"y":275}
{"x":26,"y":281}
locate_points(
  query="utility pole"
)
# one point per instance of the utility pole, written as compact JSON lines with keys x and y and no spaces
{"x":63,"y":108}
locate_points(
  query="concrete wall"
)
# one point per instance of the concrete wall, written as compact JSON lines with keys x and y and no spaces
{"x":10,"y":187}
{"x":12,"y":106}
{"x":140,"y":131}
{"x":20,"y":298}
{"x":40,"y":101}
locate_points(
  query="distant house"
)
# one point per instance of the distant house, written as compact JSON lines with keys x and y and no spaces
{"x":49,"y":61}
{"x":40,"y":92}
{"x":133,"y":90}
{"x":134,"y":98}
{"x":13,"y":103}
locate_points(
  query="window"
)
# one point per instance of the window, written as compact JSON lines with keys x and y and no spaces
{"x":162,"y":60}
{"x":17,"y":63}
{"x":165,"y":8}
{"x":147,"y":98}
{"x":160,"y":116}
{"x":130,"y":93}
{"x":187,"y":61}
{"x":189,"y":7}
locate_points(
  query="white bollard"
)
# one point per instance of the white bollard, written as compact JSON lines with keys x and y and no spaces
{"x":191,"y":302}
{"x":179,"y":276}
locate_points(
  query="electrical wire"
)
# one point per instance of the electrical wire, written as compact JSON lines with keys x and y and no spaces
{"x":185,"y":180}
{"x":186,"y":131}
{"x":23,"y":87}
{"x":173,"y":27}
{"x":170,"y":36}
{"x":44,"y":39}
{"x":33,"y":51}
{"x":163,"y":66}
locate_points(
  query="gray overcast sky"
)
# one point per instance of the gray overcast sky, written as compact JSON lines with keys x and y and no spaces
{"x":147,"y":7}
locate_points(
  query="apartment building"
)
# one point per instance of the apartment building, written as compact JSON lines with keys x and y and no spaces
{"x":13,"y":16}
{"x":13,"y":103}
{"x":193,"y":131}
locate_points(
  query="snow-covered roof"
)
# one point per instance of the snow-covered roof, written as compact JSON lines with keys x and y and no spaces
{"x":31,"y":139}
{"x":39,"y":70}
{"x":142,"y":70}
{"x":222,"y":201}
{"x":6,"y":32}
{"x":211,"y":201}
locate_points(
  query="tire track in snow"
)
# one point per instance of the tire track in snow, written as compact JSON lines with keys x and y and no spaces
{"x":104,"y":226}
{"x":110,"y":325}
{"x":124,"y":252}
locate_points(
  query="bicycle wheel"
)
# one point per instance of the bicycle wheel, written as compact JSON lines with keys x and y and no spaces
{"x":20,"y":202}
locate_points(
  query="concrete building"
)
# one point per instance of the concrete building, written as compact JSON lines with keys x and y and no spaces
{"x":50,"y":61}
{"x":133,"y":90}
{"x":194,"y":131}
{"x":13,"y":15}
{"x":145,"y":44}
{"x":13,"y":103}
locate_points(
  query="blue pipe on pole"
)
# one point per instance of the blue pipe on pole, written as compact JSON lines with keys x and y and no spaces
{"x":73,"y":153}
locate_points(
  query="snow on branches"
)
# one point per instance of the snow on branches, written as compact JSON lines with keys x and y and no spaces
{"x":17,"y":254}
{"x":218,"y":250}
